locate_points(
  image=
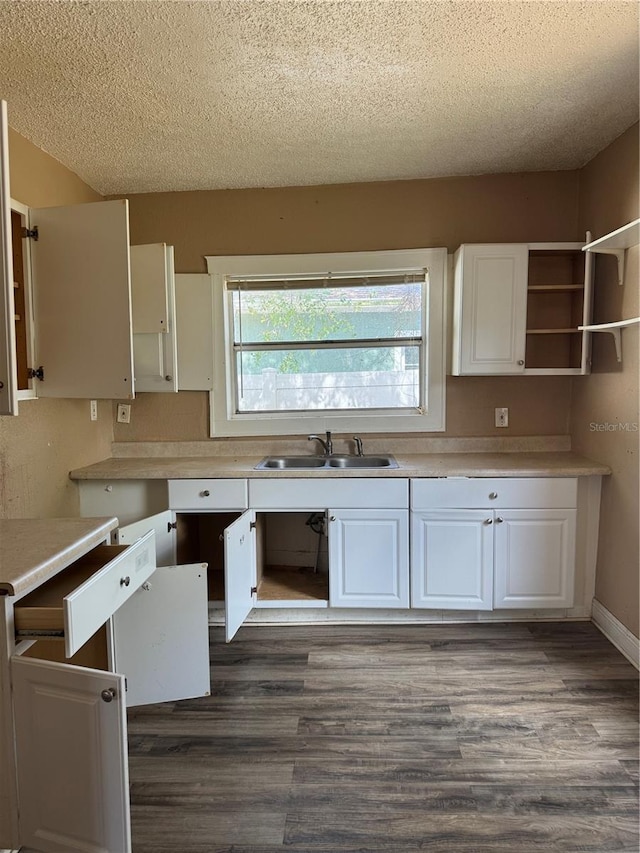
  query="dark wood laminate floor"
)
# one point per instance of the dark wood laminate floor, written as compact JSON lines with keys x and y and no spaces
{"x":465,"y":738}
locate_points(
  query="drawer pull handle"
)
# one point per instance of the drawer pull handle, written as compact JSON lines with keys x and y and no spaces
{"x":108,"y":695}
{"x":125,"y":581}
{"x":205,"y":493}
{"x":493,"y":495}
{"x":488,"y":521}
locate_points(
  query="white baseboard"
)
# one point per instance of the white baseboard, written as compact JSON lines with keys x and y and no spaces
{"x":616,"y":633}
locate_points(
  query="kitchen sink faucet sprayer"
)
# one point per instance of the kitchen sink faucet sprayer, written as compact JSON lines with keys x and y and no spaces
{"x":327,"y":444}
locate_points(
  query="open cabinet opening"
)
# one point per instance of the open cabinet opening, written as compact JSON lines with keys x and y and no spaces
{"x":555,"y":308}
{"x":291,"y":554}
{"x":292,"y":557}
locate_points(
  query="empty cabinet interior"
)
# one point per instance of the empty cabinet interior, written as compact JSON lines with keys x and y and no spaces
{"x":291,"y":553}
{"x":555,"y":308}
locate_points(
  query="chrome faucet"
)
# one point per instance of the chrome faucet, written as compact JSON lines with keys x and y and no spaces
{"x":327,"y":443}
{"x":358,"y":443}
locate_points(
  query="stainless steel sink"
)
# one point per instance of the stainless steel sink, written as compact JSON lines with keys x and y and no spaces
{"x":291,"y":462}
{"x":385,"y":461}
{"x":316,"y":463}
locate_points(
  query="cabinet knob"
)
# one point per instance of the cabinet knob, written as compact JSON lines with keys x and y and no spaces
{"x":168,"y":378}
{"x":125,"y":581}
{"x":108,"y":695}
{"x":493,"y":495}
{"x":332,"y":518}
{"x":520,"y":361}
{"x":488,"y":521}
{"x":205,"y":493}
{"x":499,"y":520}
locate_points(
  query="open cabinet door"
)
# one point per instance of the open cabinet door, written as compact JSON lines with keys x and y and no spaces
{"x":155,"y":356}
{"x":161,"y":637}
{"x":170,"y":613}
{"x":162,"y":523}
{"x":239,"y":571}
{"x":8,"y":390}
{"x":71,"y":743}
{"x":82,"y":300}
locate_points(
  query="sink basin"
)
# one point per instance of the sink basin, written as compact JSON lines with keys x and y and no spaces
{"x":316,"y":463}
{"x":291,"y":462}
{"x":362,"y":462}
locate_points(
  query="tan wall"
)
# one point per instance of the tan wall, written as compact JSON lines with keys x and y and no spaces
{"x":49,"y":437}
{"x":351,"y":217}
{"x":609,"y":199}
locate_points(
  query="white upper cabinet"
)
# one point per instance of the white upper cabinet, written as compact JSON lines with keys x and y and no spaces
{"x":490,"y":300}
{"x":8,"y":391}
{"x":82,"y":317}
{"x":77,"y":303}
{"x":155,"y":354}
{"x":194,"y":322}
{"x":521,"y":308}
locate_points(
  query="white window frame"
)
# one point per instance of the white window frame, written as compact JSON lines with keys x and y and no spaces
{"x":224,"y":421}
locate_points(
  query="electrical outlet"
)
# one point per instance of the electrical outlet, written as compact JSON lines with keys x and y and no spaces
{"x":124,"y":413}
{"x":94,"y":410}
{"x":502,"y":417}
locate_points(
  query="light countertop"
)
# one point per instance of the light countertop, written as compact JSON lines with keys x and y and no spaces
{"x":482,"y":464}
{"x":32,"y":550}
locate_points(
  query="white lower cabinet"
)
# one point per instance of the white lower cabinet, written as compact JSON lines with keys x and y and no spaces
{"x":534,"y":558}
{"x":451,"y":560}
{"x":71,"y":750}
{"x":472,"y":556}
{"x":369,"y":558}
{"x":70,"y":717}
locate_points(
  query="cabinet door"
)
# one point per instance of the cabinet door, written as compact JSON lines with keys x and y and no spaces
{"x":154,"y":318}
{"x":81,"y":281}
{"x":490,"y":309}
{"x":71,"y":746}
{"x":534,"y":558}
{"x":239,"y":571}
{"x":8,"y":389}
{"x":194,"y":324}
{"x":161,"y":637}
{"x":170,"y":614}
{"x":452,"y":559}
{"x":368,"y":558}
{"x":163,"y":525}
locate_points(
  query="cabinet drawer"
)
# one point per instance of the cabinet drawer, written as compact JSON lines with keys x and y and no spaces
{"x":208,"y":494}
{"x":341,"y":493}
{"x":495,"y":493}
{"x":80,"y":599}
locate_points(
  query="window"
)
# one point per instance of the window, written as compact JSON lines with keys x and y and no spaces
{"x":339,"y":341}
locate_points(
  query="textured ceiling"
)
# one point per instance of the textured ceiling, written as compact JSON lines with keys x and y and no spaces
{"x":153,"y":96}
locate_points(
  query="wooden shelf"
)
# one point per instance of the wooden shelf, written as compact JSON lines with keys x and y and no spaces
{"x":554,"y":288}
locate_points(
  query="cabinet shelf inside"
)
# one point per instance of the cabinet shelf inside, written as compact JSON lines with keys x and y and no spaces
{"x":554,"y":288}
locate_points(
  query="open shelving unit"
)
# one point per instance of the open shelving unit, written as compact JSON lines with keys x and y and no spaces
{"x":615,"y":243}
{"x":558,"y":303}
